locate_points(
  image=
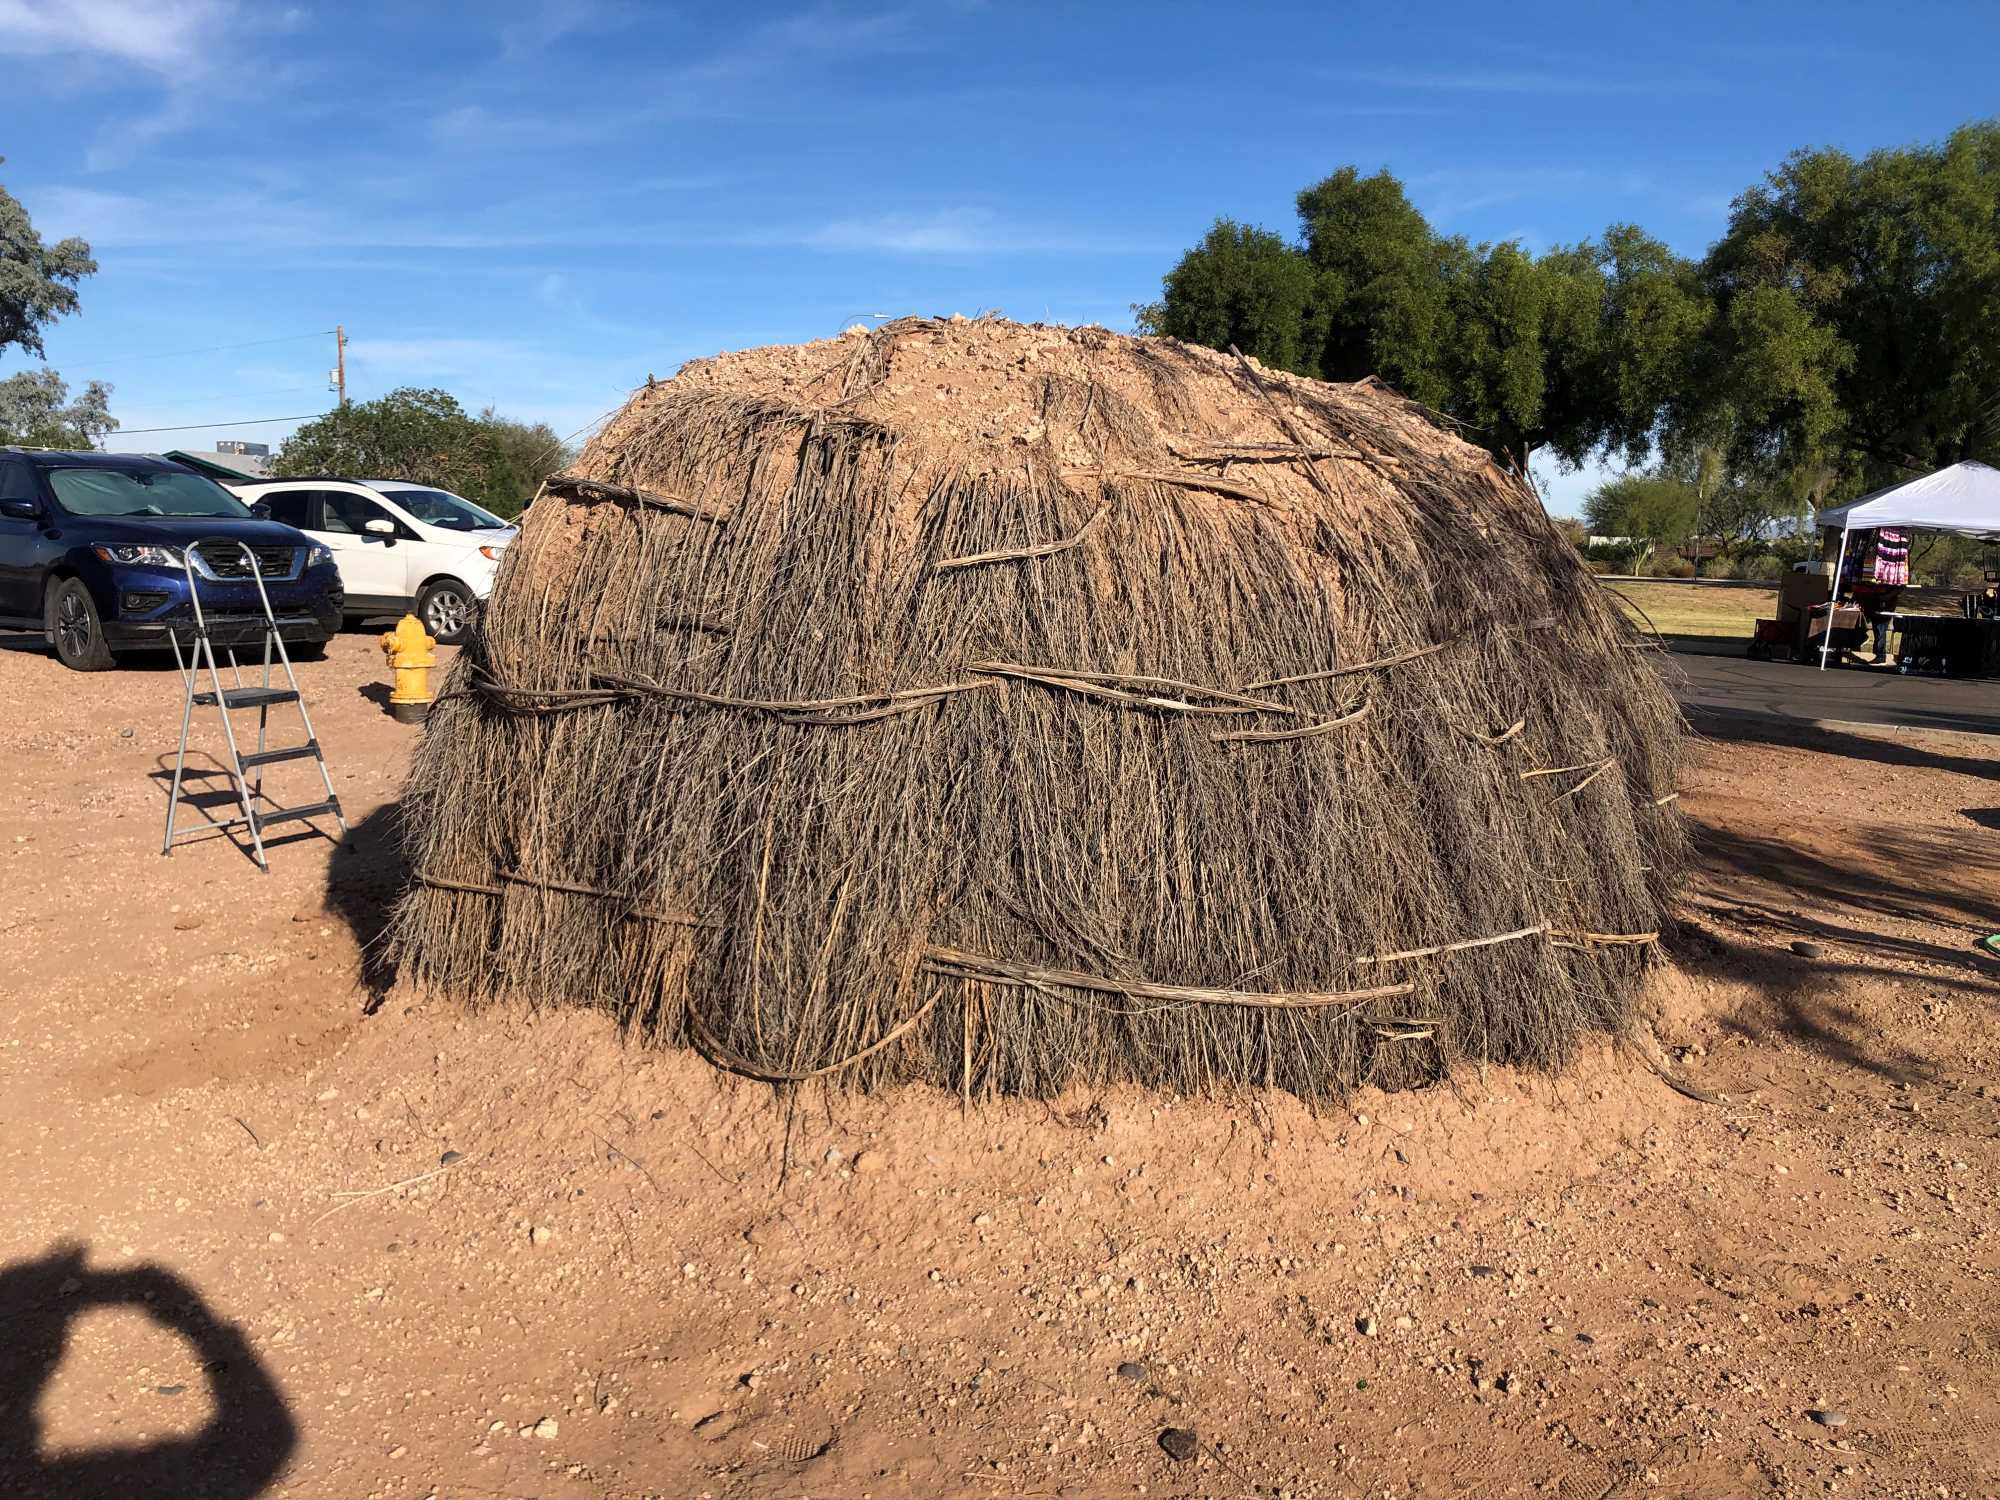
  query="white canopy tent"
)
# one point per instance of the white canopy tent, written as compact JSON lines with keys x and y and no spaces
{"x":1964,"y":498}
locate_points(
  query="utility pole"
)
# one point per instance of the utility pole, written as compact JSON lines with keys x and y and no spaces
{"x":339,"y":370}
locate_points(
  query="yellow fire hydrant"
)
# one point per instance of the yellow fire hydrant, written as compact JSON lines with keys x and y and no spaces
{"x":411,"y":655}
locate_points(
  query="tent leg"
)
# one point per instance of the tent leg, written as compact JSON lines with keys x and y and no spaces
{"x":1833,"y":603}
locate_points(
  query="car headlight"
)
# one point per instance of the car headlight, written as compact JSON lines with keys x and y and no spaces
{"x":137,"y":552}
{"x":491,"y":554}
{"x":318,"y":555}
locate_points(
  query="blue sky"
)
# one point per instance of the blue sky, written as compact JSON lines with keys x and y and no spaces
{"x":535,"y":206}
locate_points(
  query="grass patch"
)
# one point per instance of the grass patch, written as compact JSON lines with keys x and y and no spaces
{"x":1696,"y":609}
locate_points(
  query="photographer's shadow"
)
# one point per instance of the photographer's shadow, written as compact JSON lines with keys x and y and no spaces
{"x":235,"y":1456}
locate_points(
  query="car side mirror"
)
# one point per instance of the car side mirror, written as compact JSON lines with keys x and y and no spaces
{"x":20,"y":510}
{"x":379,"y":527}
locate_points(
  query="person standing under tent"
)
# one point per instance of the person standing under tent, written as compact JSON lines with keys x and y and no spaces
{"x":1877,"y":572}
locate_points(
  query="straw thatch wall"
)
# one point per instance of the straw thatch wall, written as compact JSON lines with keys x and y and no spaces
{"x":1014,"y":706}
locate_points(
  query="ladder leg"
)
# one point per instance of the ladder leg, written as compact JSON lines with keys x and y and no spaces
{"x":188,"y":680}
{"x":305,"y":718}
{"x":263,"y":727}
{"x":236,"y":765}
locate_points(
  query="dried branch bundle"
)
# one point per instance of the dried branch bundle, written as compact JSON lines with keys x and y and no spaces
{"x":939,"y":789}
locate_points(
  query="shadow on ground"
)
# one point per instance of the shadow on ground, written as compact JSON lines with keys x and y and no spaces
{"x":1797,"y":924}
{"x":1754,"y":729}
{"x":363,"y":880}
{"x":208,"y":800}
{"x":235,"y":1456}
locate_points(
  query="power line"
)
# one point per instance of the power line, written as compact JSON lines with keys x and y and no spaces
{"x":235,"y":422}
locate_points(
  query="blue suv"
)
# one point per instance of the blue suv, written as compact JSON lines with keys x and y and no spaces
{"x":91,"y":549}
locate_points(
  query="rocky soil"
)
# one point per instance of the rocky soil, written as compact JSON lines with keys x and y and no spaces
{"x":273,"y":1225}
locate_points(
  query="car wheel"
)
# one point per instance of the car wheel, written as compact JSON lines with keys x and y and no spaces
{"x":307,"y":650}
{"x":448,"y":611}
{"x":70,"y":616}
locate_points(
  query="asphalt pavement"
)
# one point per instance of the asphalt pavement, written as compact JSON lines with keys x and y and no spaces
{"x":1711,"y":679}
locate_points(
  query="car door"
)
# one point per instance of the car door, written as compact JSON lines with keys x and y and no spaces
{"x":374,"y":565}
{"x":20,"y":542}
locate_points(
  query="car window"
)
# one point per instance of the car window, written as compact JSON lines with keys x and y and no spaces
{"x":17,"y":481}
{"x":443,"y":508}
{"x":347,"y":512}
{"x":298,"y":508}
{"x":98,"y":491}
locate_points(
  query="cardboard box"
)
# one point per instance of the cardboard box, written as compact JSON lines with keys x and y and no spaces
{"x":1799,"y":592}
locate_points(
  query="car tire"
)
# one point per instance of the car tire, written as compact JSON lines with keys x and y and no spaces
{"x":75,"y":633}
{"x":307,"y":650}
{"x":448,"y":610}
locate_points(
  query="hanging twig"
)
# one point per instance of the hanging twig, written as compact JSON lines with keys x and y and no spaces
{"x":1458,"y":947}
{"x":1585,"y":782}
{"x":1002,"y":971}
{"x":1309,"y":731}
{"x":1017,"y":554}
{"x":1361,"y":666}
{"x":1092,"y":688}
{"x":591,"y":491}
{"x":1174,"y":476}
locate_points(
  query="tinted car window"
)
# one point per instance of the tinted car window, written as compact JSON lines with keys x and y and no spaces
{"x":345,"y":512}
{"x":443,"y":508}
{"x":142,"y":492}
{"x":298,"y":508}
{"x":17,"y":481}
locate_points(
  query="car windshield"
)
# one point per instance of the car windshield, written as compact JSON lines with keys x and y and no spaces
{"x":443,"y":508}
{"x":142,"y":492}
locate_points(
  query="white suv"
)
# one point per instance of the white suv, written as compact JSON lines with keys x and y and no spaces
{"x":400,"y":547}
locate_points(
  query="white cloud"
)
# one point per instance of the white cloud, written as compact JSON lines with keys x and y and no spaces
{"x":944,"y":232}
{"x":1498,"y":81}
{"x":248,"y":225}
{"x":543,"y":24}
{"x":158,"y":34}
{"x":1448,"y":195}
{"x":947,"y":232}
{"x":436,"y":356}
{"x":181,"y":42}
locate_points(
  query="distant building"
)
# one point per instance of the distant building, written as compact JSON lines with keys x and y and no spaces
{"x":229,"y":460}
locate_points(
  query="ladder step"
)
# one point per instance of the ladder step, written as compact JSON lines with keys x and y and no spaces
{"x":248,"y":697}
{"x":272,"y":757}
{"x":262,"y":819}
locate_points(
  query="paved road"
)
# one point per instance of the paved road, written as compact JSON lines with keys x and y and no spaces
{"x":1707,"y":683}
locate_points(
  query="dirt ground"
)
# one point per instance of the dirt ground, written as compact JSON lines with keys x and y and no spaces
{"x":269,"y":1225}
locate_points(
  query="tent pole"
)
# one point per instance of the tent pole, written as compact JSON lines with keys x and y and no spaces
{"x":1833,"y":604}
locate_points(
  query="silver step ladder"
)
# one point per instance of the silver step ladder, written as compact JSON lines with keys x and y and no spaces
{"x":246,"y":770}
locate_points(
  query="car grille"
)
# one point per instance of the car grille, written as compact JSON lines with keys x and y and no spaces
{"x":225,"y":559}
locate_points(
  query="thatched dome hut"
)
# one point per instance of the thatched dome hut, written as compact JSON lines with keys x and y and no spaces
{"x":1012,"y":706}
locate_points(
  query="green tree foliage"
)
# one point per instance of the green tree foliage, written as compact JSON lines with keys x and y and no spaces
{"x":35,"y":408}
{"x":427,"y":437}
{"x":1858,"y":310}
{"x":1385,"y":285}
{"x":38,"y":285}
{"x":421,"y":435}
{"x":1843,"y":333}
{"x":527,"y":453}
{"x":37,"y":281}
{"x":1581,"y":349}
{"x":1240,"y":286}
{"x":1651,"y":507}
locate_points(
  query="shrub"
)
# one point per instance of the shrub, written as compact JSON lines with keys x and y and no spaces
{"x":1767,"y":566}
